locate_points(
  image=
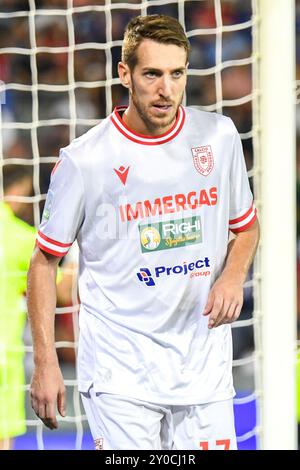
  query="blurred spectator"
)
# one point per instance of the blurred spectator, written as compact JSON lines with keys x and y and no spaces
{"x":16,"y":244}
{"x":17,"y":240}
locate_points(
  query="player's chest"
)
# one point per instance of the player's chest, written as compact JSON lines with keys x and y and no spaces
{"x":140,"y":171}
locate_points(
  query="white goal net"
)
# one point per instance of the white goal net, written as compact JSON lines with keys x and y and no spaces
{"x":58,"y":71}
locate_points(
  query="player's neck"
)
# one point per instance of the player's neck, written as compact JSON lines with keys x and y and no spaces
{"x":135,"y":122}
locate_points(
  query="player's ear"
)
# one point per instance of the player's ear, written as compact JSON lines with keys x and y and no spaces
{"x":124,"y":74}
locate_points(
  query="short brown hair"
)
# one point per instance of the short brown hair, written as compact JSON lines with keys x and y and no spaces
{"x":160,"y":28}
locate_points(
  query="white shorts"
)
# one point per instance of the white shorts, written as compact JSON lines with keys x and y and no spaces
{"x":121,"y":423}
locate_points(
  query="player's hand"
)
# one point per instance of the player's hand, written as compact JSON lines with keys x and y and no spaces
{"x":47,"y":391}
{"x":224,"y":302}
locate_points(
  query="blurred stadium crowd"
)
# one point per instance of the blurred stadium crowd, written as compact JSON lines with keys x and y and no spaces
{"x":50,"y":106}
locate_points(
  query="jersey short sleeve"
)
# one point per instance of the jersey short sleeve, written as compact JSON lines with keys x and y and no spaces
{"x":64,"y":208}
{"x":242,"y":210}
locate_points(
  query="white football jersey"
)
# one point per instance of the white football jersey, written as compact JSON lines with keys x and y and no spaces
{"x":151,"y":216}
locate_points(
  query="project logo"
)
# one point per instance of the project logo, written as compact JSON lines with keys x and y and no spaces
{"x":145,"y":276}
{"x":198,"y":269}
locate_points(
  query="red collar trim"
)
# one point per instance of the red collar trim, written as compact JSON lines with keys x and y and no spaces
{"x":146,"y":139}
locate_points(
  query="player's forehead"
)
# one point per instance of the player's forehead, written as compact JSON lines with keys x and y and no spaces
{"x":152,"y":54}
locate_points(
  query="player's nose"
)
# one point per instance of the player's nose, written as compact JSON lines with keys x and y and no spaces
{"x":165,"y":87}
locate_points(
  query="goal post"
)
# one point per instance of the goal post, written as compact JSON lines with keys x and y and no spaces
{"x":277,"y":200}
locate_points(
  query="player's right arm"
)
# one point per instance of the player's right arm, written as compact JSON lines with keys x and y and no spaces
{"x":62,"y":218}
{"x":47,"y":386}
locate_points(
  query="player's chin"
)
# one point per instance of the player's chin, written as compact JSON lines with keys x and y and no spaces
{"x":161,"y":120}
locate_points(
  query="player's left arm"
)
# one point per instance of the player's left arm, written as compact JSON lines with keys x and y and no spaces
{"x":225,"y":299}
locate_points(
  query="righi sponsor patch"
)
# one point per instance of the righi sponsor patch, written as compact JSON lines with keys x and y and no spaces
{"x":170,"y":234}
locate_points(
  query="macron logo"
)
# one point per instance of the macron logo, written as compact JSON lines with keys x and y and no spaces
{"x":122,"y":173}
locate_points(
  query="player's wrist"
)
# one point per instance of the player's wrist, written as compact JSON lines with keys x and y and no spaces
{"x":234,"y":276}
{"x":45,"y":360}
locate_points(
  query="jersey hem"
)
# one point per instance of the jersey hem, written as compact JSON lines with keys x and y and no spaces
{"x":84,"y":386}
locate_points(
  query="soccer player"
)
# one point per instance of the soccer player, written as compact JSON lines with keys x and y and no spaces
{"x":155,"y":353}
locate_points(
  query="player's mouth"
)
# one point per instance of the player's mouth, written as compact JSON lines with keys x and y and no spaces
{"x":162,"y":108}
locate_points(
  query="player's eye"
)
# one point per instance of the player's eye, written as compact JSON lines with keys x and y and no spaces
{"x":177,"y":73}
{"x":151,"y":74}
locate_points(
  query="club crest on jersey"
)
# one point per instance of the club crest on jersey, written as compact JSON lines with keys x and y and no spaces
{"x":203,"y":159}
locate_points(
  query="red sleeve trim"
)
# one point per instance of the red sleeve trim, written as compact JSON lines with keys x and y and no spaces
{"x":243,"y":228}
{"x":51,"y":252}
{"x":242,"y":217}
{"x":54,"y":242}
